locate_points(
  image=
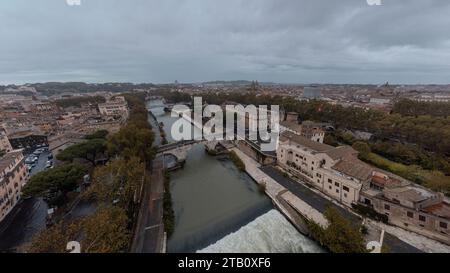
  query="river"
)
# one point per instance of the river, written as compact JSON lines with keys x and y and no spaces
{"x":220,"y":209}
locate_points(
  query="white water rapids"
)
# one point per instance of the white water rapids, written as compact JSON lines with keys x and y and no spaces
{"x":269,"y":233}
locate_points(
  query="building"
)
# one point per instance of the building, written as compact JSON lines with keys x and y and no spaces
{"x":307,"y":129}
{"x":408,"y":205}
{"x":379,"y":100}
{"x":336,"y":171}
{"x":116,"y":106}
{"x":5,"y":145}
{"x":13,"y":175}
{"x":27,"y":139}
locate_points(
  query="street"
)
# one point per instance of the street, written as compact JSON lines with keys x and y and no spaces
{"x":26,"y":219}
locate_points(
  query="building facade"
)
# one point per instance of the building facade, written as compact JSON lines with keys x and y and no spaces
{"x":5,"y":145}
{"x":13,"y":176}
{"x":408,"y":205}
{"x":116,"y":106}
{"x":336,"y":171}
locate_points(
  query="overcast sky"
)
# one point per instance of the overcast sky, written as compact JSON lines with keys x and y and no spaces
{"x":291,"y":41}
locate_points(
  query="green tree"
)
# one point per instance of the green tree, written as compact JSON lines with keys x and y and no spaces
{"x":362,"y":147}
{"x":88,"y":150}
{"x":58,"y":180}
{"x":102,"y":134}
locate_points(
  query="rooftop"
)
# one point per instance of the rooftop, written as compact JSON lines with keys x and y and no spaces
{"x":292,"y":125}
{"x":354,"y":167}
{"x":9,"y":158}
{"x":341,"y":152}
{"x":316,"y":146}
{"x":442,"y":210}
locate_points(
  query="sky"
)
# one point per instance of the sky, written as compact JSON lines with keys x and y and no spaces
{"x":285,"y":41}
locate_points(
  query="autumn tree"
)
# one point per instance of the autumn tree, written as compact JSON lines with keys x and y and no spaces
{"x":341,"y":236}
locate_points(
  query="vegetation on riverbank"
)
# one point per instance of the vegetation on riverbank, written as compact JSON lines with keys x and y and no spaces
{"x":103,"y":232}
{"x":434,"y":180}
{"x":237,"y":161}
{"x":340,"y":236}
{"x":169,"y":214}
{"x":162,"y":134}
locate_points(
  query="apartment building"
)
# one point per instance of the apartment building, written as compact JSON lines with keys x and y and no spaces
{"x":336,"y":171}
{"x":13,"y":175}
{"x":409,"y":205}
{"x":116,"y":106}
{"x":307,"y":129}
{"x":5,"y":145}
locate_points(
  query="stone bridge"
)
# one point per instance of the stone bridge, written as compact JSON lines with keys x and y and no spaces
{"x":179,"y":150}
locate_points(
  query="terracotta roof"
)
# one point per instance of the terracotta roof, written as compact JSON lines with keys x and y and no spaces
{"x":442,"y":210}
{"x":389,"y":182}
{"x":313,"y":145}
{"x":355,"y":168}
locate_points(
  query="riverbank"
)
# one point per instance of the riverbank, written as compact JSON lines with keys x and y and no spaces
{"x":281,"y":197}
{"x":221,"y":209}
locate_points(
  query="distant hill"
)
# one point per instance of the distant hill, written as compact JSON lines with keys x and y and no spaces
{"x":237,"y":82}
{"x":52,"y":88}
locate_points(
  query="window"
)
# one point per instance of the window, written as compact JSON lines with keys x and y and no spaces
{"x":345,"y":195}
{"x":329,"y":187}
{"x":345,"y":188}
{"x":336,"y":184}
{"x":387,"y":207}
{"x":410,"y":214}
{"x":422,"y":218}
{"x":330,"y":181}
{"x":337,"y":191}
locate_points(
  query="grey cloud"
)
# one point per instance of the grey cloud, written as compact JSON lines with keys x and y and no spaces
{"x":187,"y":40}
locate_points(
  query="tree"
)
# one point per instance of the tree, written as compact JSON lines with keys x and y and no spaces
{"x":132,"y":141}
{"x":119,"y":181}
{"x":55,"y":182}
{"x":98,"y":134}
{"x":103,"y":232}
{"x":88,"y":150}
{"x":340,"y":236}
{"x":362,"y":147}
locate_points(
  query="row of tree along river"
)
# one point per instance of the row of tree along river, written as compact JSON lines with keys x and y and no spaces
{"x":220,"y":209}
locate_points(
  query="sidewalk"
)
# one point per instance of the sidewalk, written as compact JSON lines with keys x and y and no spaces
{"x":421,"y":242}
